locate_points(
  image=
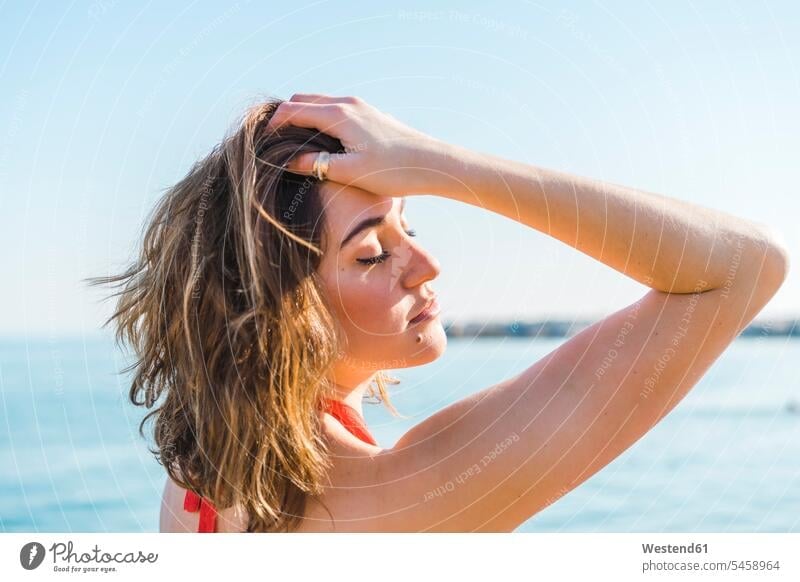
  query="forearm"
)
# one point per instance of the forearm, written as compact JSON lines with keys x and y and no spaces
{"x":667,"y":244}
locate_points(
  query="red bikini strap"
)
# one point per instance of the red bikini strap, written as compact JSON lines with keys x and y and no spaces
{"x":350,"y":418}
{"x":208,"y":513}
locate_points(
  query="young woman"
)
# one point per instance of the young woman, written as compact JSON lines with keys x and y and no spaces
{"x":277,"y":283}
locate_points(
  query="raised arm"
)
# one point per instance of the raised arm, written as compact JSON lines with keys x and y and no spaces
{"x":664,"y":243}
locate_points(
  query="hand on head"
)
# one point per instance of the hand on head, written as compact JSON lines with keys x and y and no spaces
{"x":382,"y":155}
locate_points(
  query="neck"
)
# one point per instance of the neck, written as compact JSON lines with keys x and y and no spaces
{"x":350,"y":385}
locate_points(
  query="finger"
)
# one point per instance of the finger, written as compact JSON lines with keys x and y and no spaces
{"x":321,"y":98}
{"x":312,"y":98}
{"x":304,"y":163}
{"x":321,"y":116}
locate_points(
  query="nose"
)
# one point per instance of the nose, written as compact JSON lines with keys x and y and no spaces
{"x":422,"y":267}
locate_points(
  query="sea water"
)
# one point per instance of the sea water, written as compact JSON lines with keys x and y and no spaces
{"x":726,"y":459}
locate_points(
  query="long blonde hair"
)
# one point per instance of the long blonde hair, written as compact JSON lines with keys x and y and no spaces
{"x":232,"y":333}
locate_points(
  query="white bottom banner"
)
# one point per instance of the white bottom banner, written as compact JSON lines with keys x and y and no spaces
{"x":410,"y":557}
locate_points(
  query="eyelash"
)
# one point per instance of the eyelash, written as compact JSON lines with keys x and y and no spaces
{"x":384,"y":255}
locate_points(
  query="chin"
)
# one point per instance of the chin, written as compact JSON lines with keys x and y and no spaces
{"x":426,"y":343}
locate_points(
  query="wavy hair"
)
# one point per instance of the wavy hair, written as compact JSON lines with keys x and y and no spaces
{"x":232,"y":334}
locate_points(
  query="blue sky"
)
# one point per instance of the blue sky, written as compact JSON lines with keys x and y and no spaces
{"x":106,"y":103}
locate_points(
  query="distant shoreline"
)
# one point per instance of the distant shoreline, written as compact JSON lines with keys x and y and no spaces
{"x":545,"y":328}
{"x":565,"y":328}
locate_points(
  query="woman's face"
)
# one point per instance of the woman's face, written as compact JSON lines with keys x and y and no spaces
{"x":375,"y":302}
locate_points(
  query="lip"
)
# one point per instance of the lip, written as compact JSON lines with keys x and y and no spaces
{"x":430,"y":311}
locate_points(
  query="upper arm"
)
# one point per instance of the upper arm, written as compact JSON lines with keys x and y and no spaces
{"x":492,"y":460}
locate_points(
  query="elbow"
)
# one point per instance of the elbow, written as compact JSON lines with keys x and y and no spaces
{"x":774,"y":259}
{"x":779,"y":256}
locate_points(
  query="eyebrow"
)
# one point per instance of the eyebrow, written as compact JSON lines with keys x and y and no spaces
{"x":369,"y":223}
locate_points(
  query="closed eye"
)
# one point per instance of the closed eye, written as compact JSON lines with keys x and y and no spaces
{"x":385,"y":254}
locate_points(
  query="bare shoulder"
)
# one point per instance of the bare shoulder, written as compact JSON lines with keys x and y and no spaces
{"x":350,"y":501}
{"x":173,"y":518}
{"x":344,"y":505}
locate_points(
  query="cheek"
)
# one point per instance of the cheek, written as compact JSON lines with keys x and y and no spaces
{"x":363,"y":304}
